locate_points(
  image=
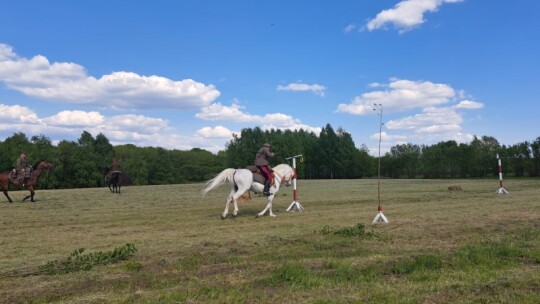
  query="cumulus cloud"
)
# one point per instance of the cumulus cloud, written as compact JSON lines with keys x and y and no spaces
{"x":215,"y":132}
{"x":469,"y":104}
{"x":315,"y":88}
{"x":119,"y":129}
{"x":139,"y":123}
{"x":6,"y":52}
{"x":401,"y":95}
{"x":406,"y":14}
{"x":440,"y":111}
{"x":75,"y":118}
{"x":217,"y":111}
{"x":234,"y":113}
{"x":387,"y":137}
{"x":430,"y":120}
{"x":70,"y":83}
{"x":17,"y":114}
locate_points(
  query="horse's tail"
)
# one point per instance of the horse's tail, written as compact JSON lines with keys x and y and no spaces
{"x":226,"y":175}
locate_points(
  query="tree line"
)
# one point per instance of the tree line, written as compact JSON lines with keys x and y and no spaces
{"x":331,"y":154}
{"x":79,"y":164}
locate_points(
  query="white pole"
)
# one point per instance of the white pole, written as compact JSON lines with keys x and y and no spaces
{"x":380,"y":216}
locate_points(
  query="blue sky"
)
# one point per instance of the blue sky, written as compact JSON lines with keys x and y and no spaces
{"x":179,"y":74}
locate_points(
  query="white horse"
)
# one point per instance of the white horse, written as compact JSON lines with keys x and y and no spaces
{"x":241,"y":180}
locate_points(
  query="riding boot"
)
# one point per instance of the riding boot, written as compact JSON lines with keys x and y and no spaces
{"x":266,"y":188}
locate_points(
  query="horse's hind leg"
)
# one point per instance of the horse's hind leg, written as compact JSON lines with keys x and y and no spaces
{"x":226,"y":211}
{"x":234,"y":199}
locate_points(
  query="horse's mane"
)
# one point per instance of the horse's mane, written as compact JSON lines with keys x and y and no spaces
{"x":105,"y":170}
{"x":278,"y":167}
{"x":282,"y":168}
{"x":36,"y":164}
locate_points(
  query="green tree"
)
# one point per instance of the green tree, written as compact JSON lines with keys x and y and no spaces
{"x":132,"y":163}
{"x":535,"y":150}
{"x":14,"y":145}
{"x":44,"y":150}
{"x":87,"y":170}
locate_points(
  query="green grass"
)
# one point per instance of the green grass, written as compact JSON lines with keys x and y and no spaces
{"x":469,"y":246}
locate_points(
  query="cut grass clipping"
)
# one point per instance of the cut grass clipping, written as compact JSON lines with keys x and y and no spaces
{"x":78,"y":260}
{"x":358,"y":231}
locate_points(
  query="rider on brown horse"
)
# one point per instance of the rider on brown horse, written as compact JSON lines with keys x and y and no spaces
{"x":23,"y":169}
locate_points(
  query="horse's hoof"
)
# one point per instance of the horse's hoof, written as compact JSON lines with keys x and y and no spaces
{"x":272,"y":215}
{"x":223,"y":217}
{"x":234,"y":215}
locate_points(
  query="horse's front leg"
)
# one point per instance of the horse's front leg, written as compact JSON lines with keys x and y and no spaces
{"x":267,"y":208}
{"x":31,"y":196}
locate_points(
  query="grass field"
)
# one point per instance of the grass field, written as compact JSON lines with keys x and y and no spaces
{"x":440,"y":246}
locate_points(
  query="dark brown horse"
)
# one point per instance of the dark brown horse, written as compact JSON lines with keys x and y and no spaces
{"x":30,"y":183}
{"x":113,"y":178}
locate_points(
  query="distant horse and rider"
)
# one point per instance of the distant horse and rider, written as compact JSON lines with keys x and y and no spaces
{"x":23,"y":176}
{"x":114,"y":178}
{"x":266,"y":181}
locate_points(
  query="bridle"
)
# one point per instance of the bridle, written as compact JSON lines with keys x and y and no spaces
{"x":281,"y":178}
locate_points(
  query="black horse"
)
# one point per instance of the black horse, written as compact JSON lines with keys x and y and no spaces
{"x":114,"y":179}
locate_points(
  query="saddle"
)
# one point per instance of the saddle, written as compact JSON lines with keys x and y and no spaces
{"x":17,"y":176}
{"x":259,"y":177}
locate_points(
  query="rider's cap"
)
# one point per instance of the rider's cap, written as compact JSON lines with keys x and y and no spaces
{"x":267,"y":145}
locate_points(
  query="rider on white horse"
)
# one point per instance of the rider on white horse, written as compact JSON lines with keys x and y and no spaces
{"x":261,"y":162}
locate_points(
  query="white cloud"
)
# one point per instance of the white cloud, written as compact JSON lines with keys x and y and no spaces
{"x":216,"y":132}
{"x":387,"y":137}
{"x":120,"y":129}
{"x":6,"y":52}
{"x":406,"y":14}
{"x":469,"y":104}
{"x":401,"y":95}
{"x":75,"y":118}
{"x":315,"y":88}
{"x":428,"y":120}
{"x":375,"y":85}
{"x":440,"y":110}
{"x":349,"y":28}
{"x":217,"y":111}
{"x":69,"y":82}
{"x":17,"y":114}
{"x":138,"y":123}
{"x":233,"y":113}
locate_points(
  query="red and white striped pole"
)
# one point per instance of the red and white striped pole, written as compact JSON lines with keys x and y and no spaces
{"x":295,"y":204}
{"x":501,"y":187}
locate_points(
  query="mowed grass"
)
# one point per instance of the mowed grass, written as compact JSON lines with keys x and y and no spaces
{"x":470,"y":246}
